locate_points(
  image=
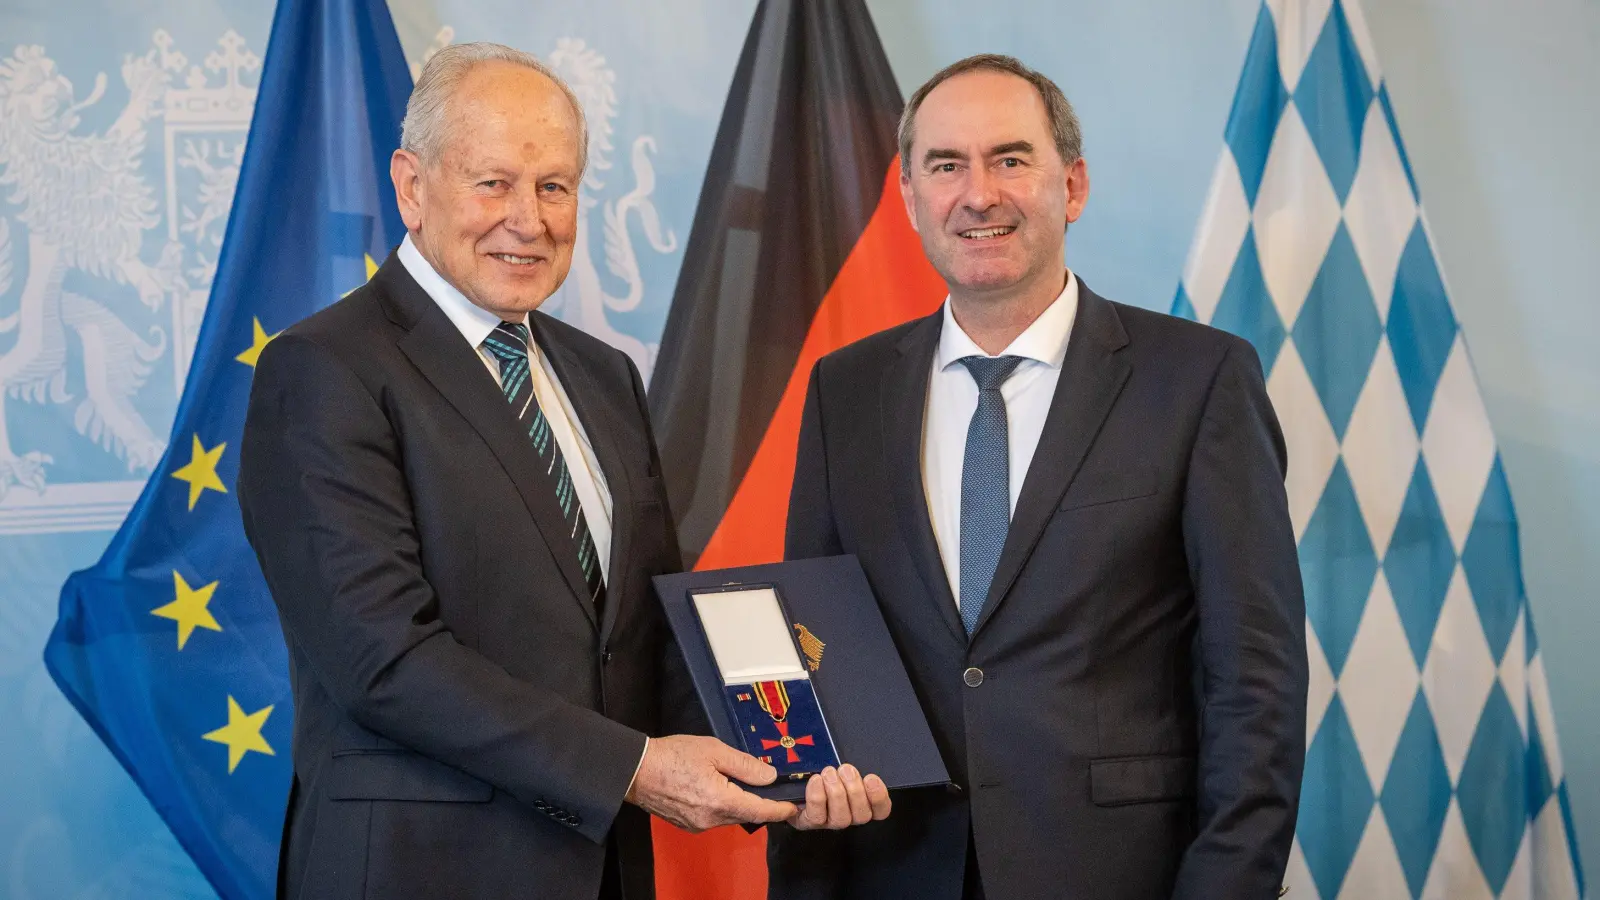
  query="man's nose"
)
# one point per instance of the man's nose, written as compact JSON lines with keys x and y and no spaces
{"x":982,"y":193}
{"x":524,"y":216}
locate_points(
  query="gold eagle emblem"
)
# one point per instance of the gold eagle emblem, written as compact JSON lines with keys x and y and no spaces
{"x":811,"y":646}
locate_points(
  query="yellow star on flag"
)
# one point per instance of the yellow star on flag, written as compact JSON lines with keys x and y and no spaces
{"x":190,"y":610}
{"x":258,"y":344}
{"x":242,"y":733}
{"x":201,"y":472}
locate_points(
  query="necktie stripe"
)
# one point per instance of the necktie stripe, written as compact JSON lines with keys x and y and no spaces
{"x":540,"y":433}
{"x":508,"y":345}
{"x":516,"y":379}
{"x":503,"y":350}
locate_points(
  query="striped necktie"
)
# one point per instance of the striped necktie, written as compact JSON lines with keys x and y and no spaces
{"x":508,"y":344}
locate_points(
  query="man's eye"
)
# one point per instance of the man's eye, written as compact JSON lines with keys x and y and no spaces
{"x":1011,"y":162}
{"x":553,"y":187}
{"x":491,"y":183}
{"x":945,"y":167}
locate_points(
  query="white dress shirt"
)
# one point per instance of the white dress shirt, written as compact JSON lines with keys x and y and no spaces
{"x":953,"y":398}
{"x":475,"y":323}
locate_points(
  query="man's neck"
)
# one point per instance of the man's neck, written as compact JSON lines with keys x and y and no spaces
{"x":993,"y":322}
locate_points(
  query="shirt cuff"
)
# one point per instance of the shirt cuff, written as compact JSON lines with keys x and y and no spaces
{"x":636,"y":768}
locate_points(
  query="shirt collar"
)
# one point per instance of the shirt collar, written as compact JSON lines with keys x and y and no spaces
{"x":473,"y":321}
{"x":1044,"y":341}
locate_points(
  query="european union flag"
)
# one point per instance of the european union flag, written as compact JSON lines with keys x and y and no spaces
{"x":170,"y":646}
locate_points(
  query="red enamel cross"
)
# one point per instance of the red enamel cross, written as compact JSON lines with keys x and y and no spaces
{"x":786,"y":742}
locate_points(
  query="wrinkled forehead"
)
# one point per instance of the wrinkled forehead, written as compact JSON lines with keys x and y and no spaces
{"x":982,"y":109}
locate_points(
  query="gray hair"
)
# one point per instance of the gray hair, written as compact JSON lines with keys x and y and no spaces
{"x":427,"y":120}
{"x":1058,"y":112}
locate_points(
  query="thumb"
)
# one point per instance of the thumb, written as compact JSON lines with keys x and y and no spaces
{"x":744,"y":767}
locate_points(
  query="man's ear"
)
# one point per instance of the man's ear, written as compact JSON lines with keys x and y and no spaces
{"x":1077,"y":189}
{"x":909,"y":199}
{"x":405,"y":170}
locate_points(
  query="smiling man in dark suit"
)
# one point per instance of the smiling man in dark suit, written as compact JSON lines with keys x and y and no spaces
{"x":1073,"y":517}
{"x":458,"y":507}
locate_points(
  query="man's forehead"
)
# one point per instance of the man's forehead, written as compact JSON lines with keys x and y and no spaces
{"x":982,"y":101}
{"x":516,"y":106}
{"x":495,"y":85}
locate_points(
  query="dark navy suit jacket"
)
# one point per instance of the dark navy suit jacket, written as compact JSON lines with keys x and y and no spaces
{"x":466,"y":724}
{"x":1139,"y":731}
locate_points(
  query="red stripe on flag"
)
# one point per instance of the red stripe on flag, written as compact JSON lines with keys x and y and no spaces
{"x":886,"y":280}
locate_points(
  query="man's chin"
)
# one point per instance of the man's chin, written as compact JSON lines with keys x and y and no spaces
{"x":986,"y":281}
{"x":525,"y":297}
{"x":506,"y":302}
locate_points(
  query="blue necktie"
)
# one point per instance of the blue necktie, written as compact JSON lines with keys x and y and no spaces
{"x":508,"y":344}
{"x":985,"y":484}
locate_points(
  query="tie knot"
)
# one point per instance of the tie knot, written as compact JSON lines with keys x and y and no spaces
{"x":508,"y":341}
{"x":990,"y":371}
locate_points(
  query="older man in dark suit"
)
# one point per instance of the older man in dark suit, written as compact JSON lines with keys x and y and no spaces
{"x":1073,"y":517}
{"x":458,"y":506}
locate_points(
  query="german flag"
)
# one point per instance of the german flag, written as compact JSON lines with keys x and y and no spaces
{"x":800,"y":245}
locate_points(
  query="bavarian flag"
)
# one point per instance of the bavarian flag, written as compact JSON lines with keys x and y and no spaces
{"x":170,"y":645}
{"x":800,"y":245}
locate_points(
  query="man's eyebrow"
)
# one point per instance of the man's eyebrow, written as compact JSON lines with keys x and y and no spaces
{"x":487,"y":170}
{"x":942,"y":153}
{"x":1012,"y":147}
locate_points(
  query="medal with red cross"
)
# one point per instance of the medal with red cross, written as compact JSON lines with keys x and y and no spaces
{"x":774,"y":699}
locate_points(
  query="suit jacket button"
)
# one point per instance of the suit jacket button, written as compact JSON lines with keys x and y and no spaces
{"x":973,"y":676}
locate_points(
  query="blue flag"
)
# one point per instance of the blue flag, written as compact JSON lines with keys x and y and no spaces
{"x":1432,"y":766}
{"x":170,"y":645}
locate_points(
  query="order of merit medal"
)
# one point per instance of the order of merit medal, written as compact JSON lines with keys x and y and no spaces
{"x":793,"y":663}
{"x":767,"y":686}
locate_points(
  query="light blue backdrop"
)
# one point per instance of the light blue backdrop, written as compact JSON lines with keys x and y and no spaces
{"x":1496,"y":101}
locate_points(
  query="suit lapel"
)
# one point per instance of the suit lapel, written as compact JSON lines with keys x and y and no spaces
{"x":1092,"y":375}
{"x":905,"y":400}
{"x":593,"y":409}
{"x":436,"y":348}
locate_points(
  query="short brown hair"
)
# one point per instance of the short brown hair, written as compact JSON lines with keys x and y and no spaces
{"x":1058,"y":111}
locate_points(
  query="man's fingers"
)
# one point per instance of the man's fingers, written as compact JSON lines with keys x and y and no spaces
{"x":839,"y":798}
{"x":743,"y":767}
{"x":813,"y":813}
{"x":838,"y":803}
{"x":816,"y":812}
{"x":877,"y":796}
{"x":856,"y":793}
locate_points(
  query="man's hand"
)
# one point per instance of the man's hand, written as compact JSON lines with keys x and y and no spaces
{"x":685,"y":780}
{"x":839,"y":798}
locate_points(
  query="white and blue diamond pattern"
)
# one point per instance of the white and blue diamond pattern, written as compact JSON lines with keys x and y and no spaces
{"x":1432,"y":767}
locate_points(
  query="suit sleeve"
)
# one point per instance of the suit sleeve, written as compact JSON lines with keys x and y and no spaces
{"x":327,"y":509}
{"x":681,"y":712}
{"x":1251,"y":644}
{"x":808,"y":865}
